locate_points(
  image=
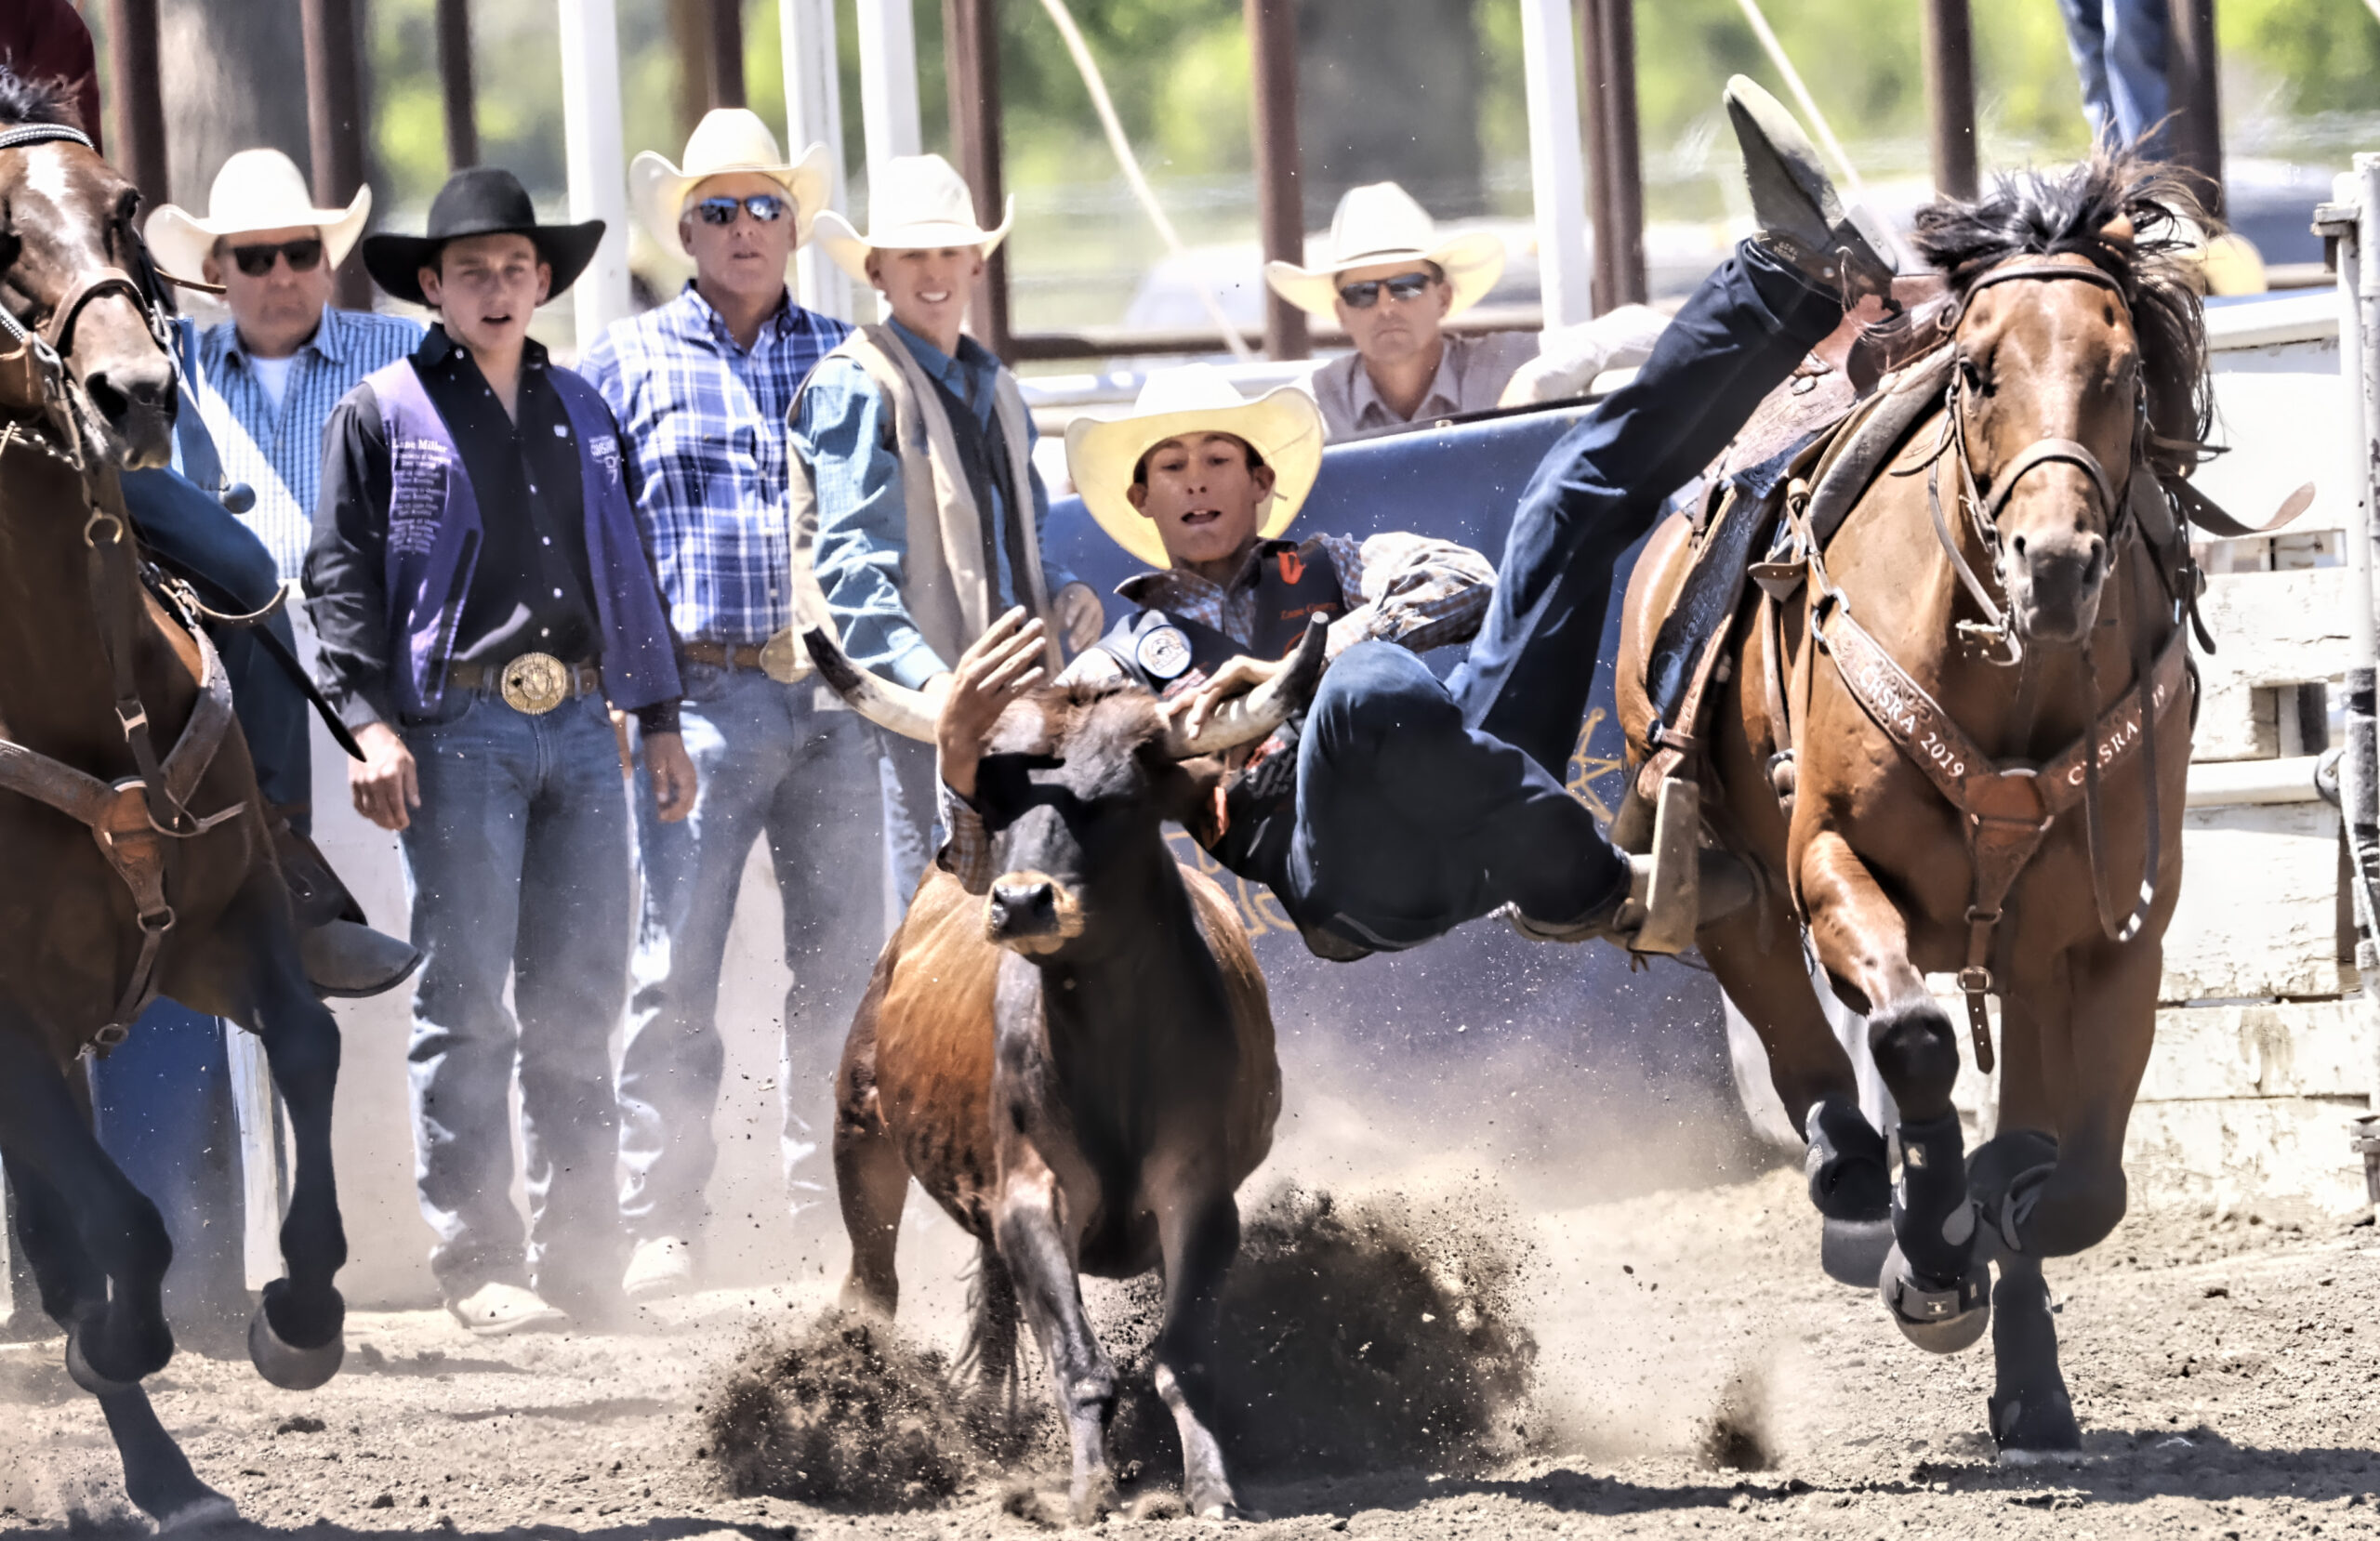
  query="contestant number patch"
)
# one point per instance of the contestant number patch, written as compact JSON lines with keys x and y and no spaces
{"x":1163,"y":652}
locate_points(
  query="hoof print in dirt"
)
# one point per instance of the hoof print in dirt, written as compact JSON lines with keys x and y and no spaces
{"x":845,"y":1414}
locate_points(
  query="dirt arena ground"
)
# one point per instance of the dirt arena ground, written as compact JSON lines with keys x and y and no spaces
{"x":1697,"y":1375}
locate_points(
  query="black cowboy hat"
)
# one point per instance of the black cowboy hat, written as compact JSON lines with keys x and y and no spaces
{"x":482,"y":200}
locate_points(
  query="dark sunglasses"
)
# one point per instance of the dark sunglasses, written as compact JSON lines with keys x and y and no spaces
{"x":766,"y":207}
{"x":1403,"y":286}
{"x":255,"y":261}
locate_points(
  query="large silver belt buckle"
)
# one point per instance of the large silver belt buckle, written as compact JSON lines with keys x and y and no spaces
{"x":535,"y":683}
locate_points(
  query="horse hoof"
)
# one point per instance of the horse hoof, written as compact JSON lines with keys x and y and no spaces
{"x":213,"y":1510}
{"x":292,"y":1369}
{"x":1853,"y":1251}
{"x":2034,"y":1427}
{"x":78,"y":1369}
{"x":1940,"y":1320}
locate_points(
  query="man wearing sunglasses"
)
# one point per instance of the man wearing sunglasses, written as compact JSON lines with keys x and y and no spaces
{"x":1393,"y":282}
{"x":702,"y":385}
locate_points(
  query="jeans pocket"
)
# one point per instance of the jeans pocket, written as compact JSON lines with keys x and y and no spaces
{"x":453,"y":707}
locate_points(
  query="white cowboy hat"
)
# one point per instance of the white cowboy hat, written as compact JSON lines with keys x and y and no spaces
{"x":729,"y":138}
{"x":1378,"y":224}
{"x":256,"y":190}
{"x":1284,"y":427}
{"x":920,"y":204}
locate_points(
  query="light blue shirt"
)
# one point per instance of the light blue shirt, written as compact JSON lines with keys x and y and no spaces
{"x":844,"y":435}
{"x":279,"y":453}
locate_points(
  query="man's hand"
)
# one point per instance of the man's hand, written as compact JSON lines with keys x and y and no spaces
{"x":674,"y":782}
{"x":1238,"y":677}
{"x":1080,"y":618}
{"x":385,"y":786}
{"x":1004,"y":664}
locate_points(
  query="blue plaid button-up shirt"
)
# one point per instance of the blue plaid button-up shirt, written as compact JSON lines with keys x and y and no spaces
{"x":279,"y":453}
{"x":705,"y":420}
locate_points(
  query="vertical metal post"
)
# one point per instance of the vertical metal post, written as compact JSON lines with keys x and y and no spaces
{"x":970,"y":55}
{"x":1557,"y":179}
{"x":1615,"y":164}
{"x":335,"y":123}
{"x":139,"y":146}
{"x":594,"y":159}
{"x":1949,"y":83}
{"x":813,"y":113}
{"x":2197,"y":117}
{"x":1280,"y":190}
{"x":726,"y":53}
{"x":454,"y":86}
{"x":888,"y":83}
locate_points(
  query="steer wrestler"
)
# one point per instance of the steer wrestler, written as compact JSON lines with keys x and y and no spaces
{"x":1418,"y":805}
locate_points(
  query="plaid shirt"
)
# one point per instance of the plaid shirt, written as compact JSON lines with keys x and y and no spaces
{"x":705,"y":420}
{"x":279,"y":453}
{"x":1411,"y":589}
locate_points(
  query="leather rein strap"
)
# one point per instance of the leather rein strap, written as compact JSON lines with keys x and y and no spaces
{"x":2006,"y":810}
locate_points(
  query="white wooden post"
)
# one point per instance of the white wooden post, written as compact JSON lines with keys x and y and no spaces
{"x":595,"y":159}
{"x":814,"y":112}
{"x":888,"y":83}
{"x":1557,"y":172}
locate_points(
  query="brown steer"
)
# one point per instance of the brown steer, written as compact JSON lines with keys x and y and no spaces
{"x":1077,"y":1066}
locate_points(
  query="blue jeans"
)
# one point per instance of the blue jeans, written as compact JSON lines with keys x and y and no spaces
{"x":771,"y":762}
{"x":196,"y":534}
{"x":2119,"y":47}
{"x":913,"y":830}
{"x":1422,"y":804}
{"x":517,"y":869}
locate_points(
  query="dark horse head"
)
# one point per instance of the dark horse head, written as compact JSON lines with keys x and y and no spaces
{"x":2113,"y":366}
{"x":66,"y":220}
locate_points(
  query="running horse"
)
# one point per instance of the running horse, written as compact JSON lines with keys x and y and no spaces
{"x":1949,"y":727}
{"x":137,"y":856}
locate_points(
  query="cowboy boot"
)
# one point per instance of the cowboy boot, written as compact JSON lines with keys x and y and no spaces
{"x":1802,"y":221}
{"x":343,"y":956}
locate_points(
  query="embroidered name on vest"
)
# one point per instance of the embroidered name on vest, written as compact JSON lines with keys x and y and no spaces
{"x":418,"y":469}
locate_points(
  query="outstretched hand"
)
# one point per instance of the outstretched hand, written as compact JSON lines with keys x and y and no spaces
{"x":1002,"y":664}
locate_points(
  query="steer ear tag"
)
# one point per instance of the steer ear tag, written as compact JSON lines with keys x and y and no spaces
{"x":1164,"y":651}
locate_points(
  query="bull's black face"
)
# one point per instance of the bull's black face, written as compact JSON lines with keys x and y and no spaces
{"x":1075,"y":788}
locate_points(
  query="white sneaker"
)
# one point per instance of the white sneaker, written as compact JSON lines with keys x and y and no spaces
{"x":494,"y":1310}
{"x":661,"y":1267}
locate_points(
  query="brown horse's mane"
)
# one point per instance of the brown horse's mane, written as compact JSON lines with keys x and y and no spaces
{"x":25,"y":100}
{"x":2047,"y":213}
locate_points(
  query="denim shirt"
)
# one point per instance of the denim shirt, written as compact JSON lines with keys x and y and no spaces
{"x":842,"y":431}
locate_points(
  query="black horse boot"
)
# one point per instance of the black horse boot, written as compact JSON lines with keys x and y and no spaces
{"x":343,"y":956}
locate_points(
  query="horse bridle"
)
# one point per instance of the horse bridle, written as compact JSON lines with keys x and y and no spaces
{"x":1982,"y":513}
{"x":54,"y":337}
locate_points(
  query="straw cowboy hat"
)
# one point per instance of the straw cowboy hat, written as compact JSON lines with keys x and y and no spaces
{"x":256,"y":190}
{"x":1284,"y":425}
{"x":1378,"y":224}
{"x":480,"y":199}
{"x":919,"y":205}
{"x":729,"y":138}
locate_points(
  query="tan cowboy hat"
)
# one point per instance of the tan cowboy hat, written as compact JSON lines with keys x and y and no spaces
{"x":1379,"y":223}
{"x":256,"y":190}
{"x":922,"y":204}
{"x":729,"y":138}
{"x":1284,"y":425}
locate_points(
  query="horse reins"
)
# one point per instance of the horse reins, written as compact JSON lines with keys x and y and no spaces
{"x":127,"y":836}
{"x":2007,"y":811}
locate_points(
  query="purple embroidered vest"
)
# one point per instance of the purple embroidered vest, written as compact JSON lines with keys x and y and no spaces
{"x":434,"y":534}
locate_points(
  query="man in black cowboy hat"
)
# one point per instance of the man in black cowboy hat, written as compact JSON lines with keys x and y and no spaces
{"x":480,"y":590}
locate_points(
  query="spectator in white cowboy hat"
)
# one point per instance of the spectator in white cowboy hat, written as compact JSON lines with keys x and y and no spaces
{"x":1393,"y":281}
{"x":702,"y":385}
{"x":269,"y":376}
{"x":929,"y":513}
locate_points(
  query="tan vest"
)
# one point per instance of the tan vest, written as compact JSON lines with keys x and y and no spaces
{"x":943,"y":581}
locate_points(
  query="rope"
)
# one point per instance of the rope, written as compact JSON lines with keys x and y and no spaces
{"x":1092,"y":82}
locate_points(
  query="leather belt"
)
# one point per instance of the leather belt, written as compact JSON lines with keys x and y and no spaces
{"x":578,"y":679}
{"x":721,"y":655}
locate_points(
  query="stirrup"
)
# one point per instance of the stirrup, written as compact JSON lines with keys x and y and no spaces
{"x":1673,"y":894}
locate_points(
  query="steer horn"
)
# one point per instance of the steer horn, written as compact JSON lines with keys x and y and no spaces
{"x":894,"y":708}
{"x":1247,"y":718}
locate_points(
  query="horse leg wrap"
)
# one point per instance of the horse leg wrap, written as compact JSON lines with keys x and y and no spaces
{"x":1939,"y":1296}
{"x":2006,"y":1177}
